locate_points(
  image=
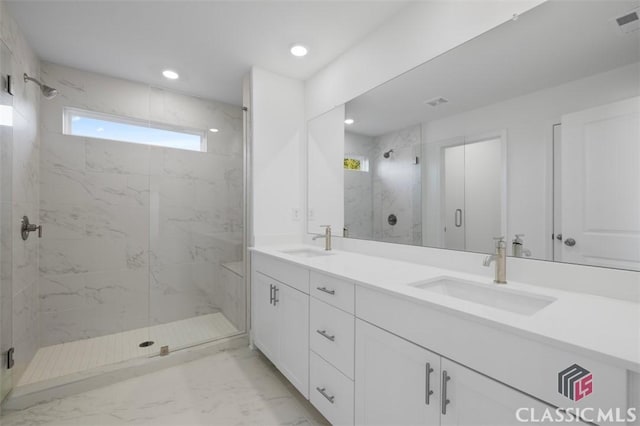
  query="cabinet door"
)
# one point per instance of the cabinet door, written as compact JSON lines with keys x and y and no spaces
{"x":264,"y":317}
{"x":293,"y":328}
{"x":477,"y":400}
{"x":392,"y":380}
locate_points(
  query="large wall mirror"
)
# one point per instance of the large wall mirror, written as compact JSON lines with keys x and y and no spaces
{"x":530,"y":131}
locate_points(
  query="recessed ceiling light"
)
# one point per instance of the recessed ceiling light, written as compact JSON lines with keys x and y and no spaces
{"x":299,"y":50}
{"x":213,"y":130}
{"x":171,"y":75}
{"x":349,"y":121}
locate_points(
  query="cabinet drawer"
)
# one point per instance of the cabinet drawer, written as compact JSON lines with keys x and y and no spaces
{"x":334,"y":291}
{"x":331,"y":392}
{"x":292,"y":275}
{"x":331,"y":335}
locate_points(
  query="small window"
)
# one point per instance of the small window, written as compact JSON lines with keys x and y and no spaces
{"x":356,"y":162}
{"x":91,"y":124}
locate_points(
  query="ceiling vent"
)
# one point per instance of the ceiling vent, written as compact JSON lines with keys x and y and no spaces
{"x":436,"y":101}
{"x":629,"y":22}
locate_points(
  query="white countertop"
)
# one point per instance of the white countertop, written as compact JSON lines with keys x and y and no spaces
{"x":599,"y":327}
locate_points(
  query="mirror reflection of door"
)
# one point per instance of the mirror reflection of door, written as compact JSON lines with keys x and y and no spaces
{"x":600,"y":212}
{"x":472,"y":190}
{"x":453,"y":191}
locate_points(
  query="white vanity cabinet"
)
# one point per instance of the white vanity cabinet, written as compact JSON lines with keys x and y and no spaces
{"x":332,"y":341}
{"x":368,"y":357}
{"x":280,"y":318}
{"x":475,"y":399}
{"x":397,"y":382}
{"x":400,"y":383}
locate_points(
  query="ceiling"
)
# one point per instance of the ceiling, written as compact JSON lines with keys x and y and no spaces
{"x":211,"y":44}
{"x":552,"y":44}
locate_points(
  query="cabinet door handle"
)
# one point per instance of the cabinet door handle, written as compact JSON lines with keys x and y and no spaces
{"x":445,"y":401}
{"x":324,"y":334}
{"x":326,"y":290}
{"x":427,"y":384}
{"x":275,"y":295}
{"x":323,"y":392}
{"x":271,"y":287}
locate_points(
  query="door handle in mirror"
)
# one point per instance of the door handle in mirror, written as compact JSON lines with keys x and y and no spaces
{"x":570,"y":242}
{"x":458,"y":218}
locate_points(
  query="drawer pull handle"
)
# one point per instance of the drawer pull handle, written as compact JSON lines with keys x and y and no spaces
{"x":445,"y":400}
{"x":324,"y":334}
{"x":428,"y":391}
{"x":271,"y":287}
{"x":275,"y":295}
{"x":326,"y":290}
{"x":323,"y":392}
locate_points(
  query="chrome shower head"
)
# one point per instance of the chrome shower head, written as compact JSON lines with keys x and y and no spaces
{"x":47,"y":91}
{"x":387,"y":154}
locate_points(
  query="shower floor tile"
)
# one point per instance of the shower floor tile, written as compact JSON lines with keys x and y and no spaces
{"x":73,"y":357}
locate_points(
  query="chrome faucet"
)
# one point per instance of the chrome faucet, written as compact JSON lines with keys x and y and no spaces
{"x":517,"y":247}
{"x":326,"y":236}
{"x":500,"y":258}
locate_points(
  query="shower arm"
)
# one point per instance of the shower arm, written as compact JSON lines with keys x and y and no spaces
{"x":27,"y":78}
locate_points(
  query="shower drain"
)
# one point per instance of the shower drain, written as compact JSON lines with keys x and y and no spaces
{"x":146,"y":343}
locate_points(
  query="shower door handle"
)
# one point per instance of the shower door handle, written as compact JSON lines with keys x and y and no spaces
{"x":458,"y":218}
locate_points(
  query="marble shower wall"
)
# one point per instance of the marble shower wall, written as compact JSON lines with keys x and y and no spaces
{"x":358,"y":189}
{"x":134,"y":235}
{"x":396,"y":187}
{"x":20,"y":196}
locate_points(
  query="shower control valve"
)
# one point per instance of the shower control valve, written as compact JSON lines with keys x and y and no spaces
{"x":27,"y":227}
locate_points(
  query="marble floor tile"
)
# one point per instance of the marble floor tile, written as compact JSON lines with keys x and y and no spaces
{"x":238,"y":387}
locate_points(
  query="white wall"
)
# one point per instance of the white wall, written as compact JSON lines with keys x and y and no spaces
{"x":419,"y":32}
{"x":325,"y":145}
{"x":278,"y":156}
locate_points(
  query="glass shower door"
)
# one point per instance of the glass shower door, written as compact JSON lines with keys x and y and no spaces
{"x":196,"y":225}
{"x":6,"y":223}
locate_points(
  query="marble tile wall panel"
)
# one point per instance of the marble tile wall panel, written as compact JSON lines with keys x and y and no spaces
{"x":358,"y":191}
{"x":231,"y":295}
{"x":396,"y":187}
{"x":134,"y":233}
{"x":21,"y":195}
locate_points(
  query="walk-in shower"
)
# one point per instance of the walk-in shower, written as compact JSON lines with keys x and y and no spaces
{"x":142,"y":239}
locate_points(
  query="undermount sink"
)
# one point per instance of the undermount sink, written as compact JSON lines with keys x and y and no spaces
{"x":495,"y":296}
{"x":306,"y":252}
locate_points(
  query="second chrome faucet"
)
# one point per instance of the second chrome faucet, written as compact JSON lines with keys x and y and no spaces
{"x":500,"y":259}
{"x":326,"y":236}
